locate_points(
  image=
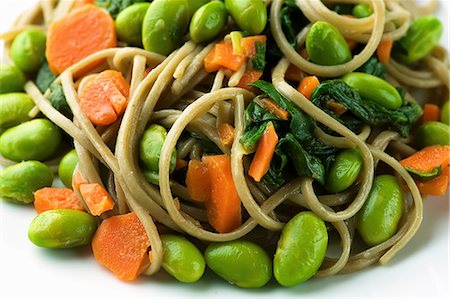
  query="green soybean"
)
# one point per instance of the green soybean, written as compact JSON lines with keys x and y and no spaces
{"x":378,"y":219}
{"x":445,"y":113}
{"x":67,"y":167}
{"x":208,"y":21}
{"x":432,"y":133}
{"x":150,"y":152}
{"x":182,"y":259}
{"x":326,"y":45}
{"x":14,"y":109}
{"x":28,"y":50}
{"x":11,"y":78}
{"x":301,"y":249}
{"x":62,"y":229}
{"x":362,"y":11}
{"x":19,"y":182}
{"x":422,"y":36}
{"x":240,"y":262}
{"x":249,"y":15}
{"x":36,"y":139}
{"x":129,"y":23}
{"x":372,"y":88}
{"x":194,"y":5}
{"x":344,"y":171}
{"x":165,"y":23}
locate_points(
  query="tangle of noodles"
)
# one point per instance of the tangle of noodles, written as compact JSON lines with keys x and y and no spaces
{"x":181,"y":96}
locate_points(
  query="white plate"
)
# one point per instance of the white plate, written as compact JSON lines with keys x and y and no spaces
{"x":420,"y":270}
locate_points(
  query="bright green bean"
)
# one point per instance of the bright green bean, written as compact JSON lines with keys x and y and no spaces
{"x":129,"y":23}
{"x":37,"y":139}
{"x":249,"y":15}
{"x":240,"y":262}
{"x":344,"y":171}
{"x":362,"y":11}
{"x":301,"y":249}
{"x":11,"y":78}
{"x":28,"y":50}
{"x":14,"y":109}
{"x":19,"y":182}
{"x":67,"y":167}
{"x":432,"y":133}
{"x":194,"y":5}
{"x":182,"y":259}
{"x":208,"y":21}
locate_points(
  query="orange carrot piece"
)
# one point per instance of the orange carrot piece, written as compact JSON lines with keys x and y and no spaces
{"x":250,"y":76}
{"x":85,"y":30}
{"x":293,"y":73}
{"x":78,"y":180}
{"x":120,"y":244}
{"x":79,"y":3}
{"x":307,"y":85}
{"x":222,"y":56}
{"x":437,"y":186}
{"x":118,"y":80}
{"x":337,"y":108}
{"x":197,"y":181}
{"x":224,"y":207}
{"x":264,"y":153}
{"x":96,"y":198}
{"x":351,"y":43}
{"x":428,"y":159}
{"x":249,"y":44}
{"x":180,"y":164}
{"x":47,"y":198}
{"x":273,"y":108}
{"x":431,"y":112}
{"x":304,"y":54}
{"x":226,"y":134}
{"x":384,"y":51}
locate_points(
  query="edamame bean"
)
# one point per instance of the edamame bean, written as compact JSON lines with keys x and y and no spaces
{"x":208,"y":21}
{"x":240,"y":262}
{"x":164,"y":25}
{"x":129,"y":23}
{"x":378,"y":219}
{"x":344,"y":171}
{"x":445,"y":113}
{"x":182,"y":259}
{"x":11,"y":78}
{"x":62,"y":228}
{"x":36,"y":139}
{"x":194,"y":5}
{"x":362,"y":11}
{"x":422,"y":36}
{"x":150,"y":151}
{"x":326,"y":45}
{"x":372,"y":88}
{"x":67,"y":167}
{"x":28,"y":50}
{"x":432,"y":133}
{"x":14,"y":109}
{"x":301,"y":249}
{"x":19,"y":181}
{"x":249,"y":15}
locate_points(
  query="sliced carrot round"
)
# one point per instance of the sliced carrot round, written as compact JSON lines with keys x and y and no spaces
{"x":47,"y":198}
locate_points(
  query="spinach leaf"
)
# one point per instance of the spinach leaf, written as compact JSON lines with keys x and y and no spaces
{"x":44,"y":77}
{"x":116,"y":6}
{"x":250,"y":138}
{"x":373,"y":67}
{"x":344,"y":8}
{"x":292,"y":21}
{"x":259,"y":61}
{"x":273,"y":180}
{"x":58,"y":100}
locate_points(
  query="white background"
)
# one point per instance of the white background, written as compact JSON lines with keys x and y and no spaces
{"x":420,"y":270}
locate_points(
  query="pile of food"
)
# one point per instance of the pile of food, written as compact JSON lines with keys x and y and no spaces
{"x":247,"y":136}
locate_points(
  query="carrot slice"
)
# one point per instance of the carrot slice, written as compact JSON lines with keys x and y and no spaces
{"x":222,"y":56}
{"x":226,"y":134}
{"x":352,"y":44}
{"x":48,"y":198}
{"x":264,"y":153}
{"x":79,"y":3}
{"x":120,"y":244}
{"x":428,"y":159}
{"x":86,"y":30}
{"x":273,"y":108}
{"x":384,"y":50}
{"x":97,"y":198}
{"x":78,"y":180}
{"x":437,"y":186}
{"x":197,"y":181}
{"x":118,"y":80}
{"x":180,"y":164}
{"x":224,"y":207}
{"x":249,"y":76}
{"x":431,"y":112}
{"x":249,"y":44}
{"x":307,"y":85}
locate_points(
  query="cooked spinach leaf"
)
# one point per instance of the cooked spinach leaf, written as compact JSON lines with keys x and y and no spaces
{"x":373,"y":67}
{"x":116,"y":6}
{"x":259,"y":61}
{"x":44,"y":77}
{"x":58,"y":100}
{"x":292,"y":21}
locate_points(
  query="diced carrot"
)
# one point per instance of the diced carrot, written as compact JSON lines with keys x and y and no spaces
{"x":431,"y":112}
{"x":48,"y":198}
{"x":226,"y":134}
{"x":337,"y":108}
{"x":79,"y":3}
{"x":197,"y":181}
{"x":78,"y":180}
{"x":264,"y":153}
{"x":120,"y":244}
{"x":222,"y":56}
{"x":437,"y":186}
{"x":249,"y":44}
{"x":428,"y":159}
{"x":272,"y":107}
{"x":304,"y":54}
{"x":307,"y":85}
{"x":351,"y":43}
{"x":85,"y":30}
{"x":384,"y":50}
{"x":118,"y":80}
{"x":180,"y":164}
{"x":250,"y":76}
{"x":96,"y":198}
{"x":224,"y":207}
{"x":293,"y":73}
